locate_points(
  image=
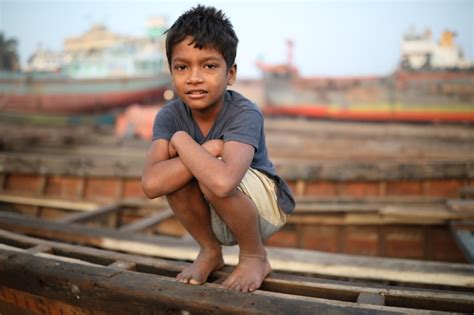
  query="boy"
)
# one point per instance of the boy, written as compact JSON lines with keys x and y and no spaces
{"x":209,"y":156}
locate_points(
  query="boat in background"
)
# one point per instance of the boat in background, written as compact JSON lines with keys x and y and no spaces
{"x":96,"y":72}
{"x":56,"y":93}
{"x":434,"y":83}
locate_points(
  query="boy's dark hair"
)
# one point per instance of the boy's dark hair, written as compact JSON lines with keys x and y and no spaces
{"x":206,"y":26}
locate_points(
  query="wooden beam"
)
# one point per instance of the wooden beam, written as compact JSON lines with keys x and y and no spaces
{"x":48,"y":202}
{"x":124,"y":265}
{"x":22,"y":303}
{"x":462,"y":205}
{"x":336,"y":207}
{"x":276,"y":282}
{"x":130,"y":167}
{"x":147,"y":223}
{"x":464,"y":236}
{"x":88,"y":216}
{"x":46,"y":255}
{"x":122,"y":291}
{"x":40,"y":249}
{"x":467,"y":192}
{"x":371,"y":298}
{"x":439,"y":212}
{"x":292,"y":260}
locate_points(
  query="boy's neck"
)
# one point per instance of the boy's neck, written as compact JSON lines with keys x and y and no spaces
{"x":208,"y":115}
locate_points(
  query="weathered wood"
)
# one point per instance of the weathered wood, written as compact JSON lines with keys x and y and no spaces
{"x":131,"y":292}
{"x":276,"y":282}
{"x":341,"y":265}
{"x":88,"y":216}
{"x":464,"y":238}
{"x":48,"y":202}
{"x":21,"y":303}
{"x":361,"y":219}
{"x":148,"y":222}
{"x":371,"y":298}
{"x":336,"y":207}
{"x":125,"y":265}
{"x":126,"y":167}
{"x":465,"y":205}
{"x":467,"y":192}
{"x":425,"y":213}
{"x":40,"y":249}
{"x":46,"y":255}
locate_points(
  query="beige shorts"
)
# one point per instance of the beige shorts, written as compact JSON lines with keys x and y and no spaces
{"x":262,"y":191}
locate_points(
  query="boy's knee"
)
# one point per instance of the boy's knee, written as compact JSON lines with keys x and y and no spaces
{"x":184,"y":193}
{"x":216,"y":195}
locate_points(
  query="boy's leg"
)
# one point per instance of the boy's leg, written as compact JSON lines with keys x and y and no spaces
{"x":192,"y":211}
{"x":240,"y":214}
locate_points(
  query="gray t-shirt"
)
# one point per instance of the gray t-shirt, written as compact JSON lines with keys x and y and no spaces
{"x":239,"y":120}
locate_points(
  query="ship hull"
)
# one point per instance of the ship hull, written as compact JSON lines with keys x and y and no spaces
{"x":59,"y":94}
{"x":437,"y":96}
{"x":463,"y":115}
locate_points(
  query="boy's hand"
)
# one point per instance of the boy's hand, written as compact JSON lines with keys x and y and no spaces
{"x":172,"y":150}
{"x":214,"y":147}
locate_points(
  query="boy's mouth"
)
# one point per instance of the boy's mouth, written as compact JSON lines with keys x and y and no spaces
{"x":196,"y":93}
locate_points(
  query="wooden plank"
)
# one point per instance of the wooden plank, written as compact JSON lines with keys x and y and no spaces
{"x":131,"y":292}
{"x":467,"y":192}
{"x":371,"y":298}
{"x":464,"y":205}
{"x":46,"y":255}
{"x":465,"y":239}
{"x":424,"y":212}
{"x":125,"y":265}
{"x":276,"y":282}
{"x":22,"y":303}
{"x":48,"y":202}
{"x":39,"y":249}
{"x":130,"y":167}
{"x":362,"y":219}
{"x":362,"y":201}
{"x":146,"y":223}
{"x":339,"y":265}
{"x":336,"y":207}
{"x":92,"y":215}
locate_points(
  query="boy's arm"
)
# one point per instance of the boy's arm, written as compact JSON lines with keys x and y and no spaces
{"x":164,"y":172}
{"x":219,"y":176}
{"x":161,"y":174}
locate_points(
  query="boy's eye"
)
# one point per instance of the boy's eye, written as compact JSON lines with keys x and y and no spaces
{"x":210,"y":66}
{"x":180,"y":67}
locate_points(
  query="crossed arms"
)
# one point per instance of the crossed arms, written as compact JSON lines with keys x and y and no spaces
{"x":169,"y":165}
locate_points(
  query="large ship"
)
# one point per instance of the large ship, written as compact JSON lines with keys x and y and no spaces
{"x":433,"y":83}
{"x":97,"y":71}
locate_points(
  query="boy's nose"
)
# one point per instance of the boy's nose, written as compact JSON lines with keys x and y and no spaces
{"x":195,"y":77}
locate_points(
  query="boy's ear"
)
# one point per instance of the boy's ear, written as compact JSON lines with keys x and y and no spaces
{"x":232,"y":74}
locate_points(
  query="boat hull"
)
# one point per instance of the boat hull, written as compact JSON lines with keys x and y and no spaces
{"x":436,"y":96}
{"x":58,"y":94}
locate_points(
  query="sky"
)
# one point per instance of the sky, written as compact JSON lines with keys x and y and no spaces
{"x":331,"y":38}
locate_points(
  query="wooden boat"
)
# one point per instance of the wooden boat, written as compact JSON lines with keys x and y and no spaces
{"x":56,"y":93}
{"x":71,"y":265}
{"x":77,"y":234}
{"x":360,"y":195}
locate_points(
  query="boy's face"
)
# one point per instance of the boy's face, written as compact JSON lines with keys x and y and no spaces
{"x":200,"y":76}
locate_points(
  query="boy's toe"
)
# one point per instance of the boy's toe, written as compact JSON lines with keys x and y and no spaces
{"x":195,"y":282}
{"x":252,"y":287}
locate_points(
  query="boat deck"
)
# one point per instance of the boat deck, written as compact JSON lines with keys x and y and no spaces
{"x":66,"y":265}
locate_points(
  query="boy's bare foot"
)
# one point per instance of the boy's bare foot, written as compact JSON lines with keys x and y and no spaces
{"x":206,"y":262}
{"x":249,"y":273}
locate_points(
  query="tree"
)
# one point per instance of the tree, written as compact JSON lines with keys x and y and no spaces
{"x":8,"y":54}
